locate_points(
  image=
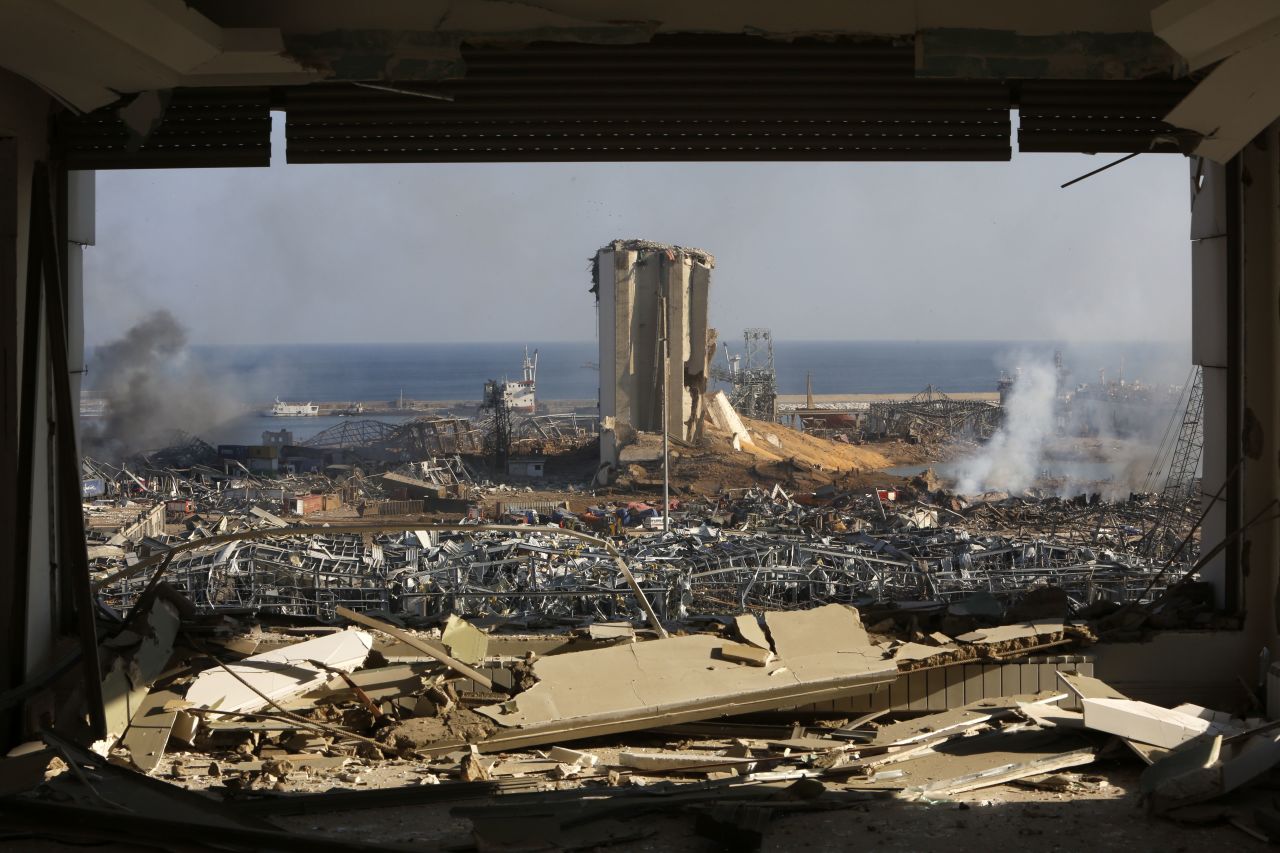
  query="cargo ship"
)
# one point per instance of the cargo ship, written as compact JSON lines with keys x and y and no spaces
{"x":292,"y":410}
{"x":522,"y":396}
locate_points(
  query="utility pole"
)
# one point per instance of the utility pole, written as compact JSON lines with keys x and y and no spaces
{"x":666,"y":448}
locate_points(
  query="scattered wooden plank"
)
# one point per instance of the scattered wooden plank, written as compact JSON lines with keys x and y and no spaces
{"x":1005,"y":773}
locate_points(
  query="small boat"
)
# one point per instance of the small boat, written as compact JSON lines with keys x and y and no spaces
{"x":292,"y":410}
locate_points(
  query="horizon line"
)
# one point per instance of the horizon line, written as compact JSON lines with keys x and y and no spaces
{"x":531,"y":343}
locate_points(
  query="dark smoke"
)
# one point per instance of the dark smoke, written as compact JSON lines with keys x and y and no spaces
{"x":152,"y":391}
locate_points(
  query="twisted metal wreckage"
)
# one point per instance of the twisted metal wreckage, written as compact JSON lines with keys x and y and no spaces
{"x":760,"y":551}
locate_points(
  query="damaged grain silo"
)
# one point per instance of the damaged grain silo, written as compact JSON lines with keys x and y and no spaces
{"x":634,"y":280}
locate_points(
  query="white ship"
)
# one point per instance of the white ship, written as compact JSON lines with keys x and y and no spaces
{"x":292,"y":410}
{"x":522,"y":396}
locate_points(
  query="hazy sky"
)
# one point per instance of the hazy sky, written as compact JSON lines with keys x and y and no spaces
{"x":491,"y":252}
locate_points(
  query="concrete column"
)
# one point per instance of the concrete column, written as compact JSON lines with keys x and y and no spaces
{"x":28,"y":633}
{"x":696,"y":366}
{"x":675,"y":283}
{"x":645,"y":377}
{"x":1260,"y":418}
{"x":1209,"y":346}
{"x":623,"y":347}
{"x":81,"y":232}
{"x":12,"y":577}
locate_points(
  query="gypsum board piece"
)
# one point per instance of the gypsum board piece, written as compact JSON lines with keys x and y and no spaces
{"x":713,"y":729}
{"x":1005,"y":773}
{"x":59,"y":821}
{"x":302,"y":721}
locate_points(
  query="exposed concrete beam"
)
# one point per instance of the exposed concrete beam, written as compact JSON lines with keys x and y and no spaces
{"x":168,"y":31}
{"x":763,"y":17}
{"x":1206,"y":31}
{"x":1235,"y":102}
{"x":1004,"y":54}
{"x":1240,"y":97}
{"x":89,"y":53}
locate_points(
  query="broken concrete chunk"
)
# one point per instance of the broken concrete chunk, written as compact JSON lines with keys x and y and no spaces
{"x":743,"y":653}
{"x":1087,"y":687}
{"x":1143,"y":722}
{"x":1219,"y":718}
{"x":955,"y":720}
{"x":659,"y":761}
{"x":279,"y":674}
{"x":1250,"y":759}
{"x":564,"y":755}
{"x":725,"y":418}
{"x":1209,"y":767}
{"x":1185,"y":774}
{"x":1002,"y":773}
{"x":830,"y":630}
{"x":1051,"y":716}
{"x":611,"y":631}
{"x":749,"y":630}
{"x":910,"y":652}
{"x":683,"y":679}
{"x":1010,"y":633}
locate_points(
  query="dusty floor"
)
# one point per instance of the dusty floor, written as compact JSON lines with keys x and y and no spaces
{"x":1004,"y":818}
{"x":995,"y":820}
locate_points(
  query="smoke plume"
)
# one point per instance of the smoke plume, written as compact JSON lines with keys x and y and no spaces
{"x":1011,"y":460}
{"x":1068,"y":441}
{"x":151,"y":390}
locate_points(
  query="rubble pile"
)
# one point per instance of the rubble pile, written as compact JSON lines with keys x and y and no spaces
{"x":731,"y":658}
{"x":228,"y":723}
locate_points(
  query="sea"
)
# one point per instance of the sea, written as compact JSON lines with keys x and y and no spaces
{"x":567,"y":370}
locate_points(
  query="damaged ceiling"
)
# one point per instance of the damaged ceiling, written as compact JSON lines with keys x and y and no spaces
{"x":484,"y":81}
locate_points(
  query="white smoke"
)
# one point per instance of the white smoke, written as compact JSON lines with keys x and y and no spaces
{"x":1012,"y":460}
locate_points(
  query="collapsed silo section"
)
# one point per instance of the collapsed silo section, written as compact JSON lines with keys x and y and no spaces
{"x":638,"y":286}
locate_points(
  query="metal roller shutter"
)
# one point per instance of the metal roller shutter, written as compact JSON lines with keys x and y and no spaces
{"x":676,"y":98}
{"x":1121,"y":116}
{"x":200,"y":128}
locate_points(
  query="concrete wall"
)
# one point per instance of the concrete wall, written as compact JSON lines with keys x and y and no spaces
{"x":1260,"y":392}
{"x":1236,"y":341}
{"x":28,"y":592}
{"x":1209,"y":346}
{"x":633,"y":278}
